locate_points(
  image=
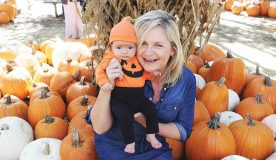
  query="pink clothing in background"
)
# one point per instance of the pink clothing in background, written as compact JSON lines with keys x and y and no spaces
{"x":73,"y":23}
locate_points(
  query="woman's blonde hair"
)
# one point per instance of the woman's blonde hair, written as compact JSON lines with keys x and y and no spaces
{"x":159,"y":18}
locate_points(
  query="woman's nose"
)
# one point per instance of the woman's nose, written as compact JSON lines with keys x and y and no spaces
{"x":148,"y":50}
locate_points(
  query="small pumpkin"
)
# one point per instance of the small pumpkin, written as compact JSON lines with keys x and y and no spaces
{"x":264,"y":6}
{"x":42,"y":149}
{"x":15,"y":134}
{"x":270,"y":122}
{"x":228,"y":117}
{"x":250,"y":135}
{"x":9,"y":9}
{"x":79,"y":123}
{"x":228,"y":4}
{"x":13,"y":106}
{"x":86,"y":68}
{"x":237,"y":8}
{"x":191,"y":66}
{"x":44,"y":73}
{"x":253,"y":10}
{"x":51,"y":127}
{"x":46,"y":89}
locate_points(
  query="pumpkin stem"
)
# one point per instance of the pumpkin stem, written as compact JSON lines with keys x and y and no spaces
{"x":259,"y":98}
{"x":9,"y":68}
{"x":84,"y":101}
{"x":34,"y":85}
{"x":249,"y":120}
{"x":257,"y":69}
{"x":45,"y":70}
{"x":229,"y":55}
{"x":9,"y":101}
{"x":267,"y":81}
{"x":44,"y":92}
{"x":82,"y":81}
{"x":206,"y":64}
{"x":46,"y":148}
{"x":214,"y":123}
{"x":49,"y":119}
{"x":220,"y":81}
{"x":76,"y":139}
{"x":77,"y":74}
{"x":69,"y":60}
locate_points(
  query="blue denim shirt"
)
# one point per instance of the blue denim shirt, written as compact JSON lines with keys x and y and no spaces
{"x":176,"y":105}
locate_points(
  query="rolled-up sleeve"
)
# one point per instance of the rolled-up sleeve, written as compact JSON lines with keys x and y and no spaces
{"x":185,"y":117}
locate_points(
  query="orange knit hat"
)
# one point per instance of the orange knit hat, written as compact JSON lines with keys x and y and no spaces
{"x":123,"y":31}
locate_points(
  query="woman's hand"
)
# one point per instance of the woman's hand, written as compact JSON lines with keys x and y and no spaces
{"x":114,"y":70}
{"x":140,"y":118}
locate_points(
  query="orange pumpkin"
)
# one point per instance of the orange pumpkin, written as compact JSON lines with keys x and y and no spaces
{"x":80,"y":89}
{"x":6,"y":52}
{"x":37,"y":93}
{"x":264,"y":6}
{"x":46,"y":104}
{"x":79,"y":104}
{"x":237,"y":8}
{"x":44,"y":73}
{"x":86,"y":68}
{"x":214,"y":95}
{"x":36,"y":86}
{"x":197,"y":61}
{"x":79,"y":123}
{"x":200,"y":113}
{"x":250,"y":135}
{"x":210,"y":140}
{"x":256,"y":107}
{"x":233,"y":69}
{"x":51,"y":127}
{"x":272,"y":11}
{"x":61,"y":82}
{"x":204,"y":71}
{"x":253,"y":10}
{"x":228,"y":4}
{"x":13,"y":106}
{"x":78,"y":145}
{"x":9,"y":9}
{"x":191,"y":66}
{"x":68,"y":65}
{"x":4,"y":18}
{"x":210,"y":52}
{"x":177,"y":148}
{"x":34,"y":45}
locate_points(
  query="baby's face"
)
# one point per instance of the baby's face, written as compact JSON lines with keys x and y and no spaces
{"x":123,"y":50}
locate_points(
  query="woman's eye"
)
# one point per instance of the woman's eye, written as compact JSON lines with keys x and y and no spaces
{"x":118,"y":47}
{"x":159,"y":45}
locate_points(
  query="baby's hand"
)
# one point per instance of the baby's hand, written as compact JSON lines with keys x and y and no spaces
{"x":107,"y":86}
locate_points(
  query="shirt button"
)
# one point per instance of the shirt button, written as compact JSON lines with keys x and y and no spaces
{"x":165,"y":89}
{"x":174,"y":108}
{"x":150,"y":98}
{"x":161,"y":99}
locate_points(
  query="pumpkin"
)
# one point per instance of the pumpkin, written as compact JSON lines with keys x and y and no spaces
{"x":237,"y":8}
{"x":200,"y":113}
{"x":191,"y":66}
{"x":204,"y":71}
{"x":74,"y":50}
{"x":37,"y":93}
{"x":78,"y":145}
{"x":177,"y":148}
{"x":215,"y":96}
{"x":256,"y":107}
{"x":36,"y":87}
{"x":197,"y":61}
{"x":264,"y":6}
{"x":34,"y":45}
{"x":210,"y":140}
{"x":86,"y":68}
{"x":61,"y":82}
{"x":228,"y":4}
{"x":228,"y":117}
{"x":254,"y":75}
{"x":80,"y":88}
{"x":253,"y":10}
{"x":29,"y":62}
{"x":233,"y":100}
{"x":79,"y":104}
{"x":44,"y":73}
{"x":40,"y":57}
{"x":210,"y":52}
{"x":80,"y":123}
{"x":51,"y":127}
{"x":6,"y":52}
{"x":9,"y":9}
{"x":15,"y":134}
{"x":68,"y":65}
{"x":272,"y":157}
{"x":233,"y":69}
{"x":13,"y":106}
{"x":234,"y":157}
{"x":270,"y":122}
{"x":42,"y":149}
{"x":4,"y":18}
{"x":263,"y":85}
{"x":272,"y":11}
{"x":49,"y":49}
{"x":15,"y":81}
{"x":46,"y":104}
{"x":250,"y":135}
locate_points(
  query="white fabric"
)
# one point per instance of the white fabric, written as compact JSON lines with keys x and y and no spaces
{"x":73,"y":23}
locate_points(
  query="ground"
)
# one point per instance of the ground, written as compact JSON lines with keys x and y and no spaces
{"x":246,"y":37}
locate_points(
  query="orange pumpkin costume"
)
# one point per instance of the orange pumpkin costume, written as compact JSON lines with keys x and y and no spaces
{"x":128,"y":97}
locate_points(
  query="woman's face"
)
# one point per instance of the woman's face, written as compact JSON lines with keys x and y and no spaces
{"x":155,"y":51}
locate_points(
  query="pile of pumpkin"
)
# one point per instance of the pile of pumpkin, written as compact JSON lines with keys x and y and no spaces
{"x":8,"y":11}
{"x":46,"y":90}
{"x":252,"y":7}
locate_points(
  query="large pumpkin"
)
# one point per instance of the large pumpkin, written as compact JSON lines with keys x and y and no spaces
{"x":215,"y":96}
{"x":13,"y":106}
{"x":256,"y":107}
{"x":36,"y":87}
{"x":210,"y":52}
{"x":197,"y":61}
{"x":210,"y":140}
{"x":250,"y":135}
{"x":204,"y":71}
{"x":263,"y":85}
{"x":200,"y":113}
{"x":15,"y":81}
{"x":46,"y":104}
{"x":78,"y":145}
{"x":233,"y":69}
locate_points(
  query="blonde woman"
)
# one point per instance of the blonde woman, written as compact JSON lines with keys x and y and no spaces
{"x":172,"y":89}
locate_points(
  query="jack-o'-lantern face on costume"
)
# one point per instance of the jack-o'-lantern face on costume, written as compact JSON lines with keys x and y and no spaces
{"x":131,"y":69}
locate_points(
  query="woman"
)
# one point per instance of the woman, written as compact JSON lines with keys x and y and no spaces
{"x":172,"y":89}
